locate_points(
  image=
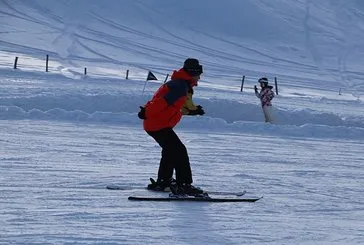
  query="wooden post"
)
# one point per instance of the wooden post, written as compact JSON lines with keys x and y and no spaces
{"x":47,"y":58}
{"x":242,"y":84}
{"x":276,"y":84}
{"x":127,"y":75}
{"x":85,"y":71}
{"x":165,"y":80}
{"x":15,"y":62}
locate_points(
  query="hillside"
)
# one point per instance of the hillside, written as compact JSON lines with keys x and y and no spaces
{"x":293,"y":40}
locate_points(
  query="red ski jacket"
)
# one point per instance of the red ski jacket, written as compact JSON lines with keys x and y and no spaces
{"x":164,"y":109}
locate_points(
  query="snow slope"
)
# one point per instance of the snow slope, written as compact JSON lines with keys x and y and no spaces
{"x":291,"y":40}
{"x":64,"y":136}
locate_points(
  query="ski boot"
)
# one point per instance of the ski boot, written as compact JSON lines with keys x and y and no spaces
{"x":160,"y":185}
{"x":185,"y":190}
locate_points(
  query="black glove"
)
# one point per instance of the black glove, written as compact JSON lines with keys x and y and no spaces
{"x":255,"y":89}
{"x":141,"y":113}
{"x":198,"y":111}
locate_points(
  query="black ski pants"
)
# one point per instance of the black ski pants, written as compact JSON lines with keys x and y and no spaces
{"x":174,"y":156}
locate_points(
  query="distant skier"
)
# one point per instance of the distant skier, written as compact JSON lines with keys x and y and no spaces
{"x":265,"y":95}
{"x":161,"y":114}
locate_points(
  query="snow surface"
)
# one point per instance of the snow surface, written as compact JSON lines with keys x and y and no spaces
{"x":64,"y":136}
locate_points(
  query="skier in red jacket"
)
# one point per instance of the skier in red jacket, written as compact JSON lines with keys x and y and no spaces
{"x":161,"y":114}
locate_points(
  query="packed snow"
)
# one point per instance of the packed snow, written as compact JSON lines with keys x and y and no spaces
{"x":65,"y":135}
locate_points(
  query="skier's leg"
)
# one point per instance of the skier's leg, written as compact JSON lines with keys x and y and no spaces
{"x":182,"y":166}
{"x":174,"y":156}
{"x":265,"y":117}
{"x":166,"y":166}
{"x":181,"y":159}
{"x":267,"y":110}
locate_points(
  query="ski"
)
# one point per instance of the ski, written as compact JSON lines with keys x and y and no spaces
{"x":191,"y":199}
{"x":222,"y":193}
{"x":227,"y":193}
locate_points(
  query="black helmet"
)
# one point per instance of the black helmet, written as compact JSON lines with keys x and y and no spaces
{"x":192,"y":67}
{"x":263,"y":81}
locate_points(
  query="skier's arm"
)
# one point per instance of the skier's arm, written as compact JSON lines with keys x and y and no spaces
{"x":271,"y":95}
{"x":189,"y":105}
{"x":257,"y":92}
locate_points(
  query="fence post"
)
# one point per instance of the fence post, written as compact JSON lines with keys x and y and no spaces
{"x":127,"y":75}
{"x":276,"y":84}
{"x":165,"y":80}
{"x":15,"y":62}
{"x":47,"y":58}
{"x":242,"y":84}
